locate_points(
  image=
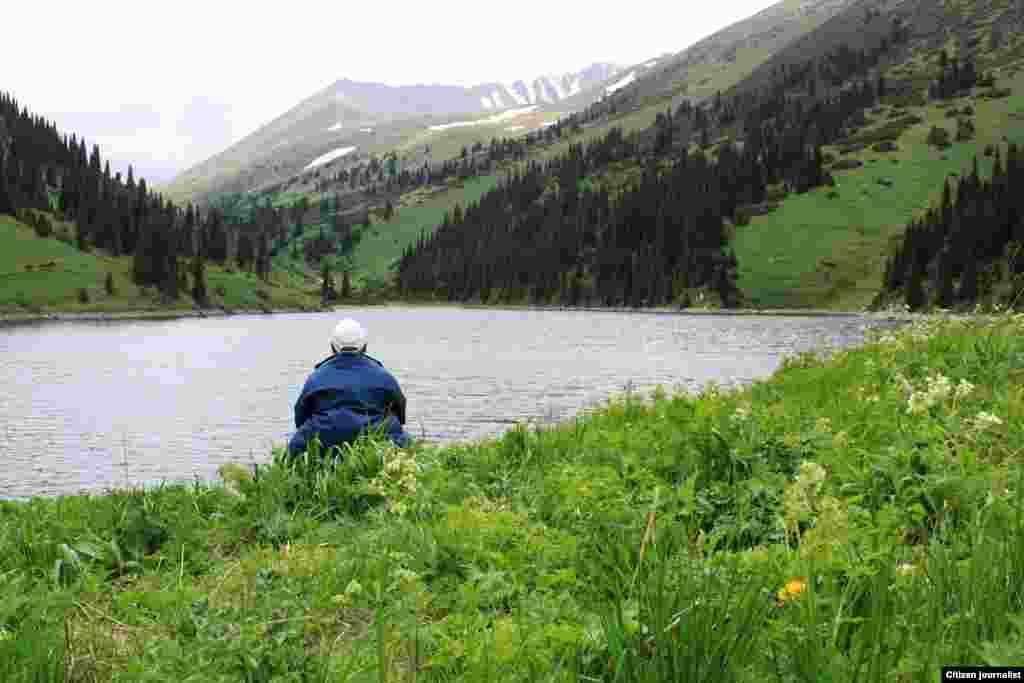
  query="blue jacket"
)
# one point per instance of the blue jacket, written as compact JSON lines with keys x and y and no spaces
{"x":346,"y":395}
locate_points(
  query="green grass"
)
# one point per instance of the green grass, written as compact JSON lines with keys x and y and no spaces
{"x":782,"y":255}
{"x":384,"y":241}
{"x":57,"y":289}
{"x":651,"y":540}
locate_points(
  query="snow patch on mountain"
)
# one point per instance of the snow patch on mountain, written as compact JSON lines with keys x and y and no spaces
{"x":557,"y":87}
{"x":496,"y":118}
{"x":366,"y":130}
{"x":542,"y":94}
{"x":621,"y":83}
{"x":511,"y":90}
{"x":574,"y":86}
{"x":648,"y":65}
{"x":329,"y":157}
{"x":335,"y":127}
{"x":496,"y":98}
{"x":486,"y":102}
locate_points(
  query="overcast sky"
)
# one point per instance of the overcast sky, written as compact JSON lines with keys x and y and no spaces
{"x":167,"y":86}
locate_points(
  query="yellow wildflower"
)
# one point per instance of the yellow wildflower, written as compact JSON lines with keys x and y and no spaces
{"x":792,"y":590}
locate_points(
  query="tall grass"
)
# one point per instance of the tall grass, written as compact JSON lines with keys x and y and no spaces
{"x":857,"y":517}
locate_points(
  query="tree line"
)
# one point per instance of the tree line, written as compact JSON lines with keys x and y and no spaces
{"x":546,"y":235}
{"x":42,"y":169}
{"x":961,"y":250}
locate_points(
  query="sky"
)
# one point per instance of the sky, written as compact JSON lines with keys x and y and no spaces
{"x":167,"y":86}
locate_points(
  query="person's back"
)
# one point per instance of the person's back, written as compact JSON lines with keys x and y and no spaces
{"x":348,"y":394}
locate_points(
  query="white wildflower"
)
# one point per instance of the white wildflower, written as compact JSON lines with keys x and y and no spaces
{"x":963,"y":389}
{"x":742,"y":412}
{"x":985,"y":420}
{"x":810,"y":475}
{"x":939,"y":387}
{"x":904,"y":383}
{"x":918,"y":403}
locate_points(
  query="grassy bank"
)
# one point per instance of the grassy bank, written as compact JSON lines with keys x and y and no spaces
{"x":858,"y":516}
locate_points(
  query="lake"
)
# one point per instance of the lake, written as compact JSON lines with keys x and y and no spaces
{"x":89,"y":406}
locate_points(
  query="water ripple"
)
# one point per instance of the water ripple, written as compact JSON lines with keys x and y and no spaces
{"x":146,"y":401}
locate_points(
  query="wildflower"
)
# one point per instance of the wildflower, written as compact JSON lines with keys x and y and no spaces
{"x":918,"y":403}
{"x":985,"y":420}
{"x":823,"y":424}
{"x":811,"y":473}
{"x":841,"y":440}
{"x":800,"y":496}
{"x":791,"y":591}
{"x":939,"y":387}
{"x":963,"y":389}
{"x":903,"y":382}
{"x":742,"y":412}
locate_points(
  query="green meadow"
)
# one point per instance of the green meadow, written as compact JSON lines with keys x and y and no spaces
{"x":857,"y":516}
{"x":827,"y":248}
{"x":379,"y":246}
{"x":45,"y":274}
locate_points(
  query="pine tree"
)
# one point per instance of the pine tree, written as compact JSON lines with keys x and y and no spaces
{"x":346,"y":286}
{"x":199,"y":279}
{"x":327,"y":288}
{"x":944,"y":280}
{"x":6,"y":205}
{"x":968,"y":291}
{"x":915,"y":296}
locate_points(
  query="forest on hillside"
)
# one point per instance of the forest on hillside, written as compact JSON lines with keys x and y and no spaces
{"x":548,"y":235}
{"x":44,"y":173}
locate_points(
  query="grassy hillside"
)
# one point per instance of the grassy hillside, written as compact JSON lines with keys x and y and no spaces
{"x":45,"y":274}
{"x":827,"y":248}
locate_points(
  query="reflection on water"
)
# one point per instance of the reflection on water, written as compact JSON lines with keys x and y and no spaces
{"x":94,"y":405}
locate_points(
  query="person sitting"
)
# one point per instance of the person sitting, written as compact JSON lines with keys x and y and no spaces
{"x":348,"y":394}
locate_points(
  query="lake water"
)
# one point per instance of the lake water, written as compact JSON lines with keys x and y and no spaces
{"x":88,"y":406}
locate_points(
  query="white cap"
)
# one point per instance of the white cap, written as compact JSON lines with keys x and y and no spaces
{"x":348,"y":334}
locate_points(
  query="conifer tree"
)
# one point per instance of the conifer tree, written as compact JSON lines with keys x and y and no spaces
{"x":944,"y":280}
{"x":6,"y":205}
{"x":915,"y":296}
{"x":199,"y":278}
{"x":968,"y":291}
{"x":327,"y":286}
{"x":346,"y":286}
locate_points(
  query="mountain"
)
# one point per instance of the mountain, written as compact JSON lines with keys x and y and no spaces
{"x":789,"y":190}
{"x":358,"y":120}
{"x":370,"y":118}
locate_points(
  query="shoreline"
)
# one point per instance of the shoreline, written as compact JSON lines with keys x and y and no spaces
{"x":14,"y":319}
